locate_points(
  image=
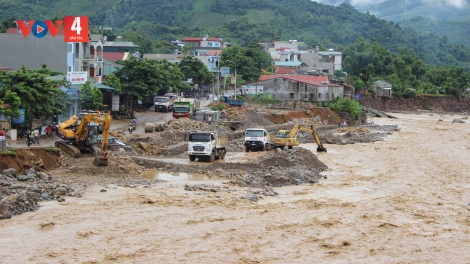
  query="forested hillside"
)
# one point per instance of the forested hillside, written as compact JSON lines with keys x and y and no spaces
{"x":244,"y":21}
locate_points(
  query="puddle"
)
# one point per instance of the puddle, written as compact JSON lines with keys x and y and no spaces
{"x":178,"y":177}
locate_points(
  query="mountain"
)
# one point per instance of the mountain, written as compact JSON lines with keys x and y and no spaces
{"x":397,"y":10}
{"x":449,"y":18}
{"x":245,"y":21}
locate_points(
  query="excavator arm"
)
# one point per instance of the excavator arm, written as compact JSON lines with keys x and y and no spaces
{"x":102,"y":158}
{"x":313,"y":130}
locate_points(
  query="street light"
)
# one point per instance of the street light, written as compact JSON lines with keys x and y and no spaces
{"x":235,"y":88}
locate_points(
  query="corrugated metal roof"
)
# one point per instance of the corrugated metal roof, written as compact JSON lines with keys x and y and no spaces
{"x":162,"y":56}
{"x":289,"y":63}
{"x":119,"y":44}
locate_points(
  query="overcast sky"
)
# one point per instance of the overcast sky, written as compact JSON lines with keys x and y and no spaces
{"x":455,"y":3}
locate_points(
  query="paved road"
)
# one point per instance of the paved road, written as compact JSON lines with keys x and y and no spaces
{"x":150,"y":116}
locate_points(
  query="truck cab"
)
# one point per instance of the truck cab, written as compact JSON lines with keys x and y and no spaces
{"x":206,"y":146}
{"x":258,"y":138}
{"x":163,"y":103}
{"x":181,"y":111}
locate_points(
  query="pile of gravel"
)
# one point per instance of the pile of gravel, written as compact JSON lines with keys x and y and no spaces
{"x":21,"y":193}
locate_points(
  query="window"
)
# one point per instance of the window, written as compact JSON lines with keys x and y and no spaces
{"x":70,"y":47}
{"x":319,"y":95}
{"x":311,"y":95}
{"x":69,"y":69}
{"x":291,"y":95}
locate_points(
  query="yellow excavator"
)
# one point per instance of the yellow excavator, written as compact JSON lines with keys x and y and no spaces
{"x":289,"y":137}
{"x":82,"y":135}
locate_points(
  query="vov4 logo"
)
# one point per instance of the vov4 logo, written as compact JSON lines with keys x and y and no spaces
{"x":75,"y":28}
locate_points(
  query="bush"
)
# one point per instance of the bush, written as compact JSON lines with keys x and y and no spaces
{"x":218,"y":107}
{"x":353,"y":108}
{"x":409,"y":94}
{"x":262,"y":99}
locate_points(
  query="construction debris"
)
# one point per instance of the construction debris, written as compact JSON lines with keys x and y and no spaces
{"x":234,"y":114}
{"x":185,"y":124}
{"x":353,"y":130}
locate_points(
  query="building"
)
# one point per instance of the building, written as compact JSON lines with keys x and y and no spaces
{"x":315,"y":89}
{"x":382,"y":88}
{"x":320,"y":62}
{"x":205,"y":43}
{"x":17,"y":51}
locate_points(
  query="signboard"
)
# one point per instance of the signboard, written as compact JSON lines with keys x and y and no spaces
{"x":77,"y":77}
{"x":233,"y":80}
{"x":253,"y":89}
{"x":115,"y":106}
{"x":19,"y":120}
{"x":225,"y":71}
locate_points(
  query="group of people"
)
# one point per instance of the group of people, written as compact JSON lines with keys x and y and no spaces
{"x":342,"y":124}
{"x":33,"y":135}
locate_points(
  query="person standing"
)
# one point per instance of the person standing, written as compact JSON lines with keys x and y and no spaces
{"x":48,"y":131}
{"x":28,"y":138}
{"x":209,"y":120}
{"x":36,"y":135}
{"x":3,"y":139}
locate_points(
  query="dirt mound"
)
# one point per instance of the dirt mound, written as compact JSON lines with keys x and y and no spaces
{"x":234,"y":114}
{"x":36,"y":158}
{"x":322,"y":115}
{"x":432,"y":103}
{"x":185,"y":124}
{"x":293,"y":157}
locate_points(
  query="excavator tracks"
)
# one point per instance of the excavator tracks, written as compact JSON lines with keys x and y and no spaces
{"x":69,"y":149}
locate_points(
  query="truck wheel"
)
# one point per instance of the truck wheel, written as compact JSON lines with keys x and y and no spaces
{"x":264,"y":147}
{"x":290,"y":147}
{"x":192,"y":157}
{"x":156,"y":109}
{"x":212,"y":157}
{"x":223,"y":154}
{"x":217,"y":155}
{"x":247,"y":149}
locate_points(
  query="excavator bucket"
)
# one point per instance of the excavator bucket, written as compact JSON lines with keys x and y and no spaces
{"x":98,"y":161}
{"x":321,"y":149}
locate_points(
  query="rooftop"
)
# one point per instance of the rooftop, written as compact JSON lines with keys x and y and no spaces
{"x":119,"y":44}
{"x":112,"y":56}
{"x":162,"y":56}
{"x":289,"y":63}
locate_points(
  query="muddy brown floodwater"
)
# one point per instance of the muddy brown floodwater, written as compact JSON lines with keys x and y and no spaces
{"x":404,"y":199}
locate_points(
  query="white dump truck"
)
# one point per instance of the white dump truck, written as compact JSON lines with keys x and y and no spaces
{"x":164,"y":103}
{"x":206,"y":146}
{"x":259,"y":139}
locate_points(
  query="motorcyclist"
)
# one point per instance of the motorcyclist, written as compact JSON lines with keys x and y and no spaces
{"x":134,"y":123}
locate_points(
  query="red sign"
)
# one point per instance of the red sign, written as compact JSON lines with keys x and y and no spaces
{"x":76,"y":29}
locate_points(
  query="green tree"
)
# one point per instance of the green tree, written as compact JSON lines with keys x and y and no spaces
{"x":353,"y":108}
{"x":194,"y":68}
{"x":90,"y":97}
{"x":13,"y":101}
{"x":37,"y":93}
{"x":187,"y":49}
{"x":143,"y":78}
{"x":113,"y":81}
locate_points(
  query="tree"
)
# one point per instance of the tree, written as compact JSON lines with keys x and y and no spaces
{"x":13,"y":101}
{"x":143,"y":78}
{"x":353,"y":108}
{"x":90,"y":97}
{"x":186,"y":49}
{"x":114,"y":82}
{"x":194,"y":68}
{"x":37,"y":93}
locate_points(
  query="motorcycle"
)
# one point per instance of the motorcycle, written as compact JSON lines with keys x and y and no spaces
{"x":131,"y":128}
